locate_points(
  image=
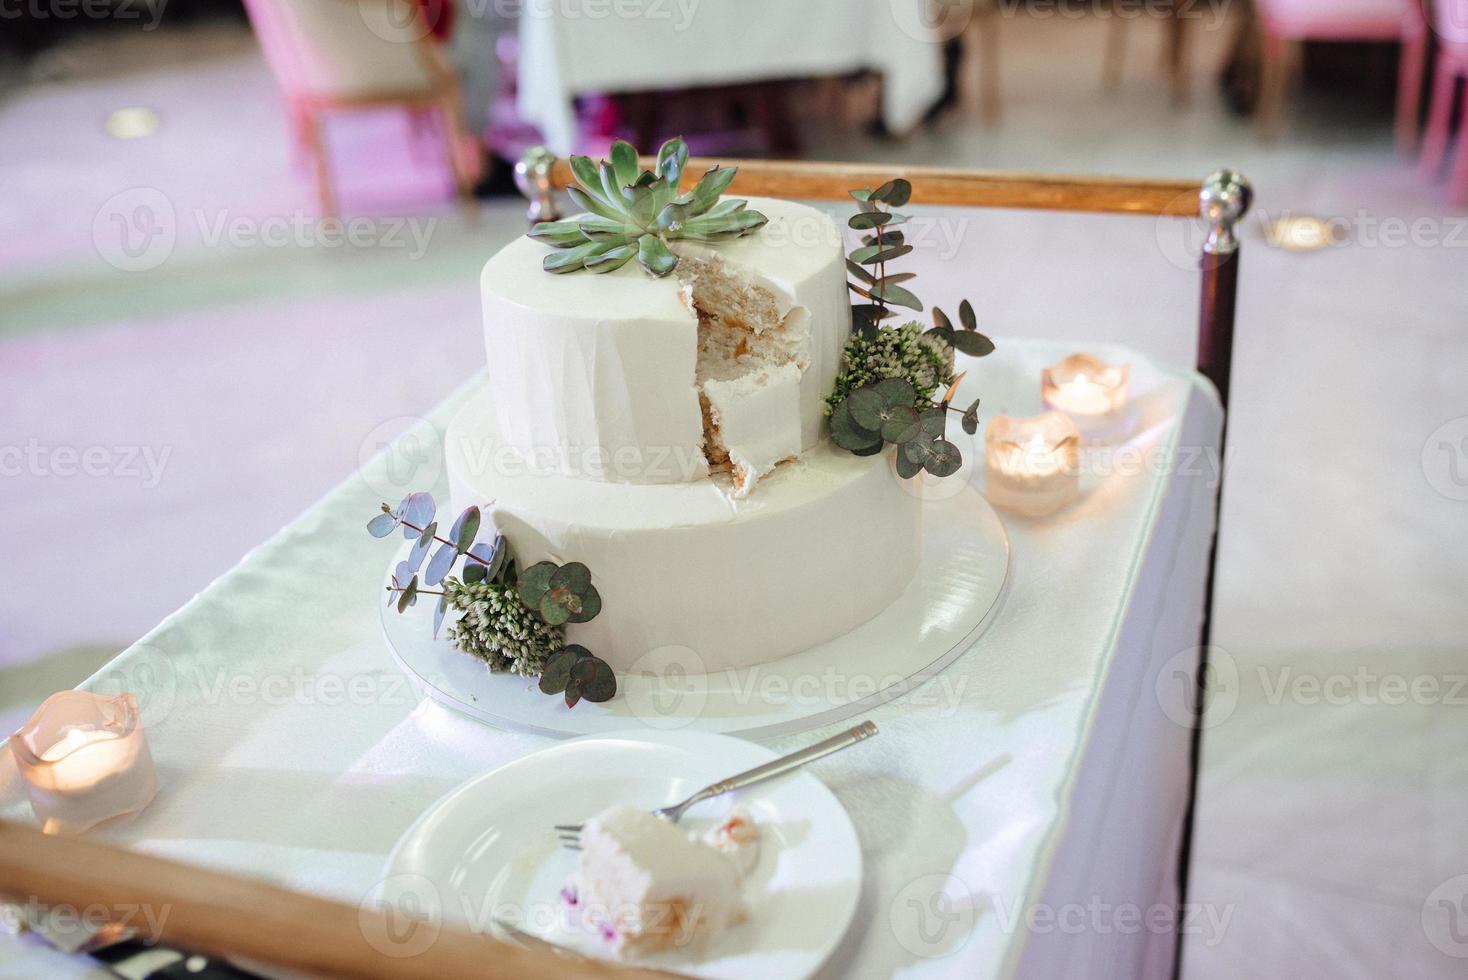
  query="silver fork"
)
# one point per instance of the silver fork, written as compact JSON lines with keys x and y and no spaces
{"x":570,"y":833}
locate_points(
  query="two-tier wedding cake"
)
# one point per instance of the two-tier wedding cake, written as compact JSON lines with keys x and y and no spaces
{"x":668,"y":431}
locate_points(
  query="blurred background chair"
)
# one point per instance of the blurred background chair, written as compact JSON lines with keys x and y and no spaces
{"x":1174,"y":50}
{"x":979,"y":89}
{"x":1450,"y":26}
{"x":1286,"y":24}
{"x":335,"y":55}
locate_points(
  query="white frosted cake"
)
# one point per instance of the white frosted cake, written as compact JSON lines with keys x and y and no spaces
{"x":669,"y":433}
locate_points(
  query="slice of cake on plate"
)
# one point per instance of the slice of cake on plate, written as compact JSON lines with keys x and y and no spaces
{"x":647,"y":886}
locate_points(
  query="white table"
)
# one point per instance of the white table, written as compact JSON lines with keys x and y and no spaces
{"x":572,"y":49}
{"x":1009,"y":814}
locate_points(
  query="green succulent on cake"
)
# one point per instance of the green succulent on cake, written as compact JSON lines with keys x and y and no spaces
{"x":633,"y":213}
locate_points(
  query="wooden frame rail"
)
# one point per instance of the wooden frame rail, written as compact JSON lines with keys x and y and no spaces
{"x":211,"y":912}
{"x":942,"y":185}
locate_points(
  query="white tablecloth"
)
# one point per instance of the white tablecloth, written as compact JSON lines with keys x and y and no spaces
{"x":572,"y":48}
{"x":1019,"y":815}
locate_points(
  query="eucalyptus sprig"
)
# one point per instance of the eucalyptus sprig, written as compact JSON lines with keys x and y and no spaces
{"x":882,"y":245}
{"x":511,"y":620}
{"x":633,"y":213}
{"x":883,"y":395}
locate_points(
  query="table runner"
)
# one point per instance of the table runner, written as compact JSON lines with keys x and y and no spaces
{"x":573,"y":49}
{"x":1011,"y":813}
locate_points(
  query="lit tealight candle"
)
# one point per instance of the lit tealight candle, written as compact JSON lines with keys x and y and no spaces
{"x":1033,"y":464}
{"x":1092,"y":392}
{"x":85,"y":761}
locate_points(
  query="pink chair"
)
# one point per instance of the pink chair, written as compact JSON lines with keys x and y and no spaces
{"x":331,"y":55}
{"x":1450,"y":22}
{"x":1286,"y":24}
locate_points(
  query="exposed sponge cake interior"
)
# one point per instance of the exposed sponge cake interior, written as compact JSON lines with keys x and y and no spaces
{"x":752,"y":352}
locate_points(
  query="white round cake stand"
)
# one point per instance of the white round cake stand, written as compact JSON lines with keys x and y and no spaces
{"x":957,"y":591}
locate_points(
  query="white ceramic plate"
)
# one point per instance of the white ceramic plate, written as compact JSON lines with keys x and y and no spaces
{"x":488,"y":849}
{"x":951,"y":601}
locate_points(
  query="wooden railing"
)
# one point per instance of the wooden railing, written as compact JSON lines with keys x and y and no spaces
{"x":211,"y":912}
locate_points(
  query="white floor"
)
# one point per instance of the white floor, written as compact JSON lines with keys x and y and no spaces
{"x":159,"y":423}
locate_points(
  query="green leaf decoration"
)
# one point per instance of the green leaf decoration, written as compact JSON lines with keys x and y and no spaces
{"x":897,"y":295}
{"x":966,"y":316}
{"x":934,"y":423}
{"x":585,"y":170}
{"x":439,"y":610}
{"x":895,"y":193}
{"x":970,"y":420}
{"x":575,"y":259}
{"x":624,"y":163}
{"x":857,"y":271}
{"x":574,"y":576}
{"x":897,"y":391}
{"x":382,"y":525}
{"x":440,"y":564}
{"x":631,"y":213}
{"x":594,"y":679}
{"x":877,"y":254}
{"x":867,"y":407}
{"x":971,"y":343}
{"x":864,"y":195}
{"x":863,"y":220}
{"x":944,"y":458}
{"x":850,"y":435}
{"x":557,"y":673}
{"x":672,"y":158}
{"x":941,"y":321}
{"x":887,"y":238}
{"x":534,"y":583}
{"x":466,"y":529}
{"x":554,"y":612}
{"x":906,"y":467}
{"x":590,"y":606}
{"x":475,"y":573}
{"x":409,"y":595}
{"x":655,"y":257}
{"x":593,"y":205}
{"x":902,"y":425}
{"x":711,"y":186}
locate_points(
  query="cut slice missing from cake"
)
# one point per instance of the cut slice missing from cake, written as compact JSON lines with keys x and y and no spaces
{"x":647,"y":886}
{"x":752,"y":353}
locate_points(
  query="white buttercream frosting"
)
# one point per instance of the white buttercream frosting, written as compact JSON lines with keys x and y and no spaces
{"x":824,"y":544}
{"x":598,"y":373}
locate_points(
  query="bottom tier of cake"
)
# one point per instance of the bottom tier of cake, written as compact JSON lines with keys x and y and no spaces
{"x":824,"y":543}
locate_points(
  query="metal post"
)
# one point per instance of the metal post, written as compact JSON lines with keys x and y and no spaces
{"x":533,"y":177}
{"x":1223,"y":202}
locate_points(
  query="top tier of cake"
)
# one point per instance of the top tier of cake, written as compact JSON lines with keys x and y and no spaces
{"x":625,"y":377}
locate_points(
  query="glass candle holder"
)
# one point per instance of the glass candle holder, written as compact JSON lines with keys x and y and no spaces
{"x":1093,"y":393}
{"x":85,"y":761}
{"x":1033,"y":464}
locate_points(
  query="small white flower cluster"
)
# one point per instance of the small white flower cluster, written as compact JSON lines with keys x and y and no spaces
{"x":496,"y":627}
{"x":895,"y":352}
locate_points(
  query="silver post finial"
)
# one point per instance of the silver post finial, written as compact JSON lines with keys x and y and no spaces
{"x":533,"y":177}
{"x":1223,"y":202}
